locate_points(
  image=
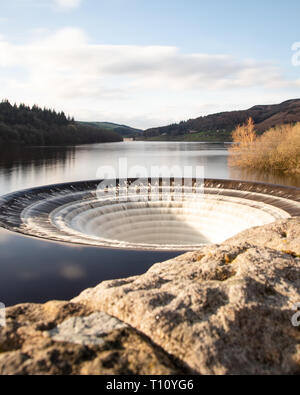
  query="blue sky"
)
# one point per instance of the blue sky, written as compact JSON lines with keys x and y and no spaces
{"x":148,"y":63}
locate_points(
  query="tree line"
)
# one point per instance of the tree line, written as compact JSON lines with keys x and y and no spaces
{"x":25,"y":125}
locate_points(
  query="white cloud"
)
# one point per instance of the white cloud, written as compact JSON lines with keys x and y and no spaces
{"x":141,"y":85}
{"x":67,"y":3}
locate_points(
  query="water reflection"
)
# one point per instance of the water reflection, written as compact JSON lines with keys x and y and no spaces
{"x":22,"y":167}
{"x":32,"y":270}
{"x":28,"y":167}
{"x":270,"y":177}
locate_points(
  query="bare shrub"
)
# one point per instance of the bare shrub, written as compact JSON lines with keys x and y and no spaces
{"x":276,"y":149}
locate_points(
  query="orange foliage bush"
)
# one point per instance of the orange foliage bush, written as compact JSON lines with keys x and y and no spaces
{"x":276,"y":149}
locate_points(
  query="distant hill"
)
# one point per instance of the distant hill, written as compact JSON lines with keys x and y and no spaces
{"x":218,"y":127}
{"x":123,"y":130}
{"x":24,"y":125}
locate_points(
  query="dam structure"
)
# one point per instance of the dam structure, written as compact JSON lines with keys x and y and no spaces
{"x":169,"y":215}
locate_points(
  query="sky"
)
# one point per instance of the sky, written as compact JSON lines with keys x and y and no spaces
{"x":149,"y":63}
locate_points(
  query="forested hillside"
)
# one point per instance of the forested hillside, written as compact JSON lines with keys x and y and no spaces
{"x":220,"y":126}
{"x":123,"y":130}
{"x":36,"y":126}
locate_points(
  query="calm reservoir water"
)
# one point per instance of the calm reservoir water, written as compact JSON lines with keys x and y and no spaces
{"x":33,"y":270}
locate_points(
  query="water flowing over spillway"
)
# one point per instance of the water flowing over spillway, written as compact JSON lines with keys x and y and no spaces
{"x":143,"y":215}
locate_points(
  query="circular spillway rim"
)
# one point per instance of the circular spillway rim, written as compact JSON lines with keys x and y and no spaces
{"x":14,"y":205}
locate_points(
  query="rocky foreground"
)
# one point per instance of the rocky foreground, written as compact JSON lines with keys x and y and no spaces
{"x":225,"y":309}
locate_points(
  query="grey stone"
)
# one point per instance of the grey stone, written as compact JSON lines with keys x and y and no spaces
{"x":86,"y":330}
{"x":222,"y":310}
{"x":281,"y":235}
{"x":225,"y":309}
{"x":87,"y":343}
